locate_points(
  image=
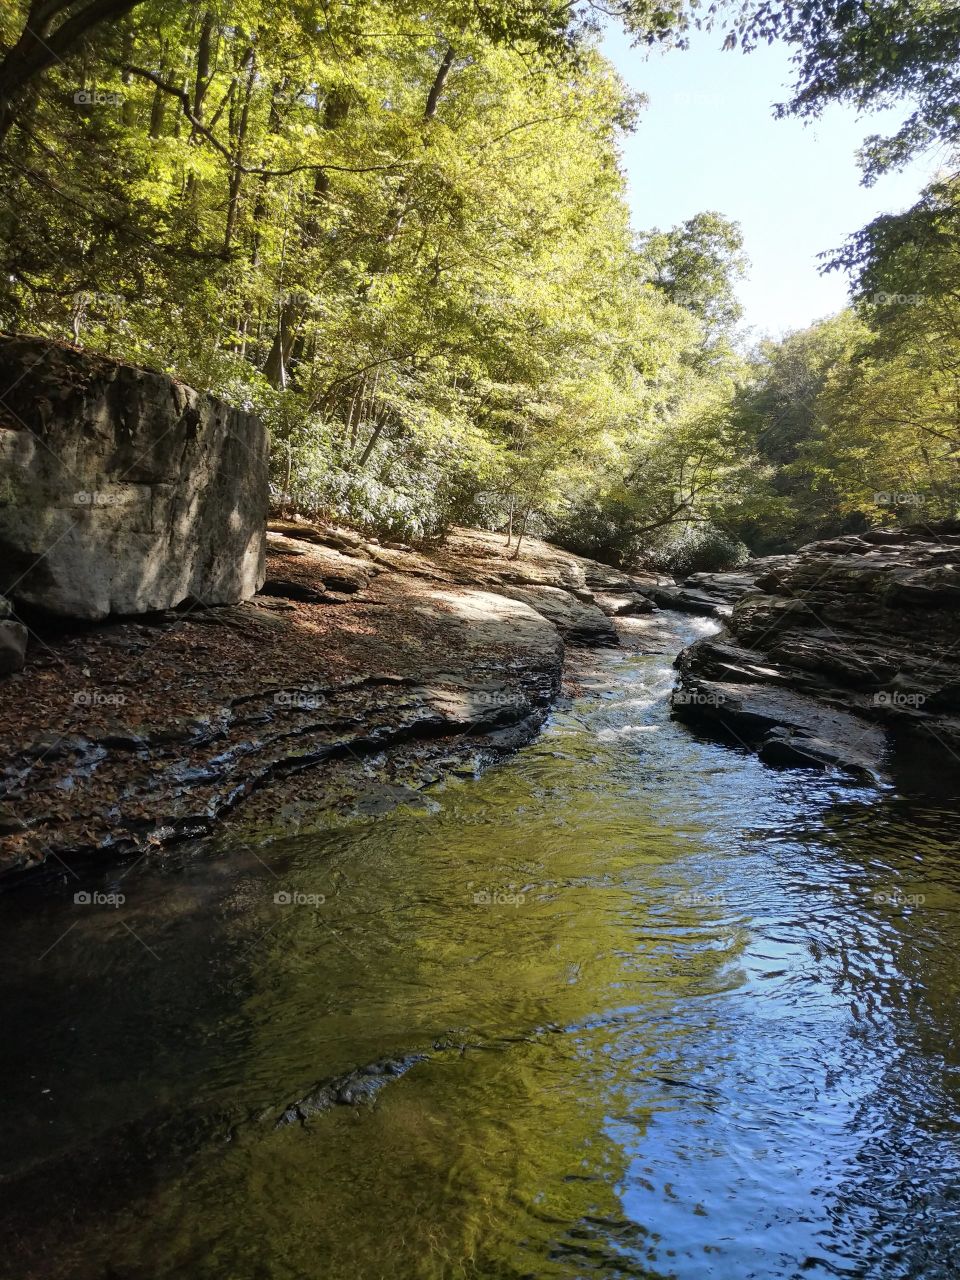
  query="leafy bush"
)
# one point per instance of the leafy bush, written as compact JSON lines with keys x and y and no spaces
{"x":703,"y":549}
{"x":411,"y":489}
{"x":603,"y":527}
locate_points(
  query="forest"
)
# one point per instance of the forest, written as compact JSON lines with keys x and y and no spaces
{"x":401,"y":235}
{"x":479,"y":722}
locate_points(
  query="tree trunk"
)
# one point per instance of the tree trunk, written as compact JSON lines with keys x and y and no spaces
{"x":523,"y":530}
{"x":203,"y":77}
{"x":436,"y":89}
{"x":398,"y":212}
{"x":374,"y":437}
{"x":236,"y":177}
{"x":289,"y":476}
{"x":158,"y":109}
{"x":275,"y":368}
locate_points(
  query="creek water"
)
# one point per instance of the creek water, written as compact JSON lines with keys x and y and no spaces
{"x":681,"y":1015}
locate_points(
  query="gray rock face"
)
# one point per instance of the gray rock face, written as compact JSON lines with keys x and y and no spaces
{"x":713,"y":594}
{"x":578,"y":621}
{"x":13,"y":640}
{"x":121,"y":490}
{"x":849,"y":638}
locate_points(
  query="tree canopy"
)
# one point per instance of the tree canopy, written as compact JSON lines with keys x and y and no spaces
{"x":401,"y":235}
{"x":869,"y":53}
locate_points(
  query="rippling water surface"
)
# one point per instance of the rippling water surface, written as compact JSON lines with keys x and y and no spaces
{"x":682,"y":1016}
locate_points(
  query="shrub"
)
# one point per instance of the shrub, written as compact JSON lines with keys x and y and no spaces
{"x":601,"y":527}
{"x":703,"y":549}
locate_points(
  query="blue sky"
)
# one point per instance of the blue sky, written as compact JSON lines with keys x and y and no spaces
{"x":708,"y":140}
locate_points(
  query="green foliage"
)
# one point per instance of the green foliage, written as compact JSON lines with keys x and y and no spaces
{"x":697,"y":265}
{"x":778,"y":409}
{"x":869,"y":54}
{"x":702,"y":549}
{"x":694,"y":464}
{"x":400,"y":235}
{"x":858,"y":415}
{"x":606,"y":524}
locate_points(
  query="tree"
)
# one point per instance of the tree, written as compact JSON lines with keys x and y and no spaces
{"x":779,"y":410}
{"x":697,"y":266}
{"x":868,"y":54}
{"x":52,"y":31}
{"x":399,"y":233}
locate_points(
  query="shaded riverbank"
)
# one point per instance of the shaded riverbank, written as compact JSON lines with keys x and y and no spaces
{"x":360,"y":674}
{"x":663,"y":1012}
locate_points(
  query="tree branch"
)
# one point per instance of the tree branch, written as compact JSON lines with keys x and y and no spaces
{"x":38,"y":48}
{"x":257,"y":171}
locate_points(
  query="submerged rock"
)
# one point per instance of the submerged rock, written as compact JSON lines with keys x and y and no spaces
{"x":354,"y":1089}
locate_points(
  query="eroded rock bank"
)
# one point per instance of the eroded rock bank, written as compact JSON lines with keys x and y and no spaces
{"x":121,"y":489}
{"x":840,"y":654}
{"x":712,"y":595}
{"x":358,"y":676}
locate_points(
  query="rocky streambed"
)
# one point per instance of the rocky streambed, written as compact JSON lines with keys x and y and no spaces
{"x":358,"y":676}
{"x":362,"y":674}
{"x":845,"y":654}
{"x":630,"y":1003}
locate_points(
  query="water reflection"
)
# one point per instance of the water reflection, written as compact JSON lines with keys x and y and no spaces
{"x":682,"y":1016}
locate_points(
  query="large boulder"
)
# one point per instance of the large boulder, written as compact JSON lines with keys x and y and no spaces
{"x":13,"y":640}
{"x":122,"y":490}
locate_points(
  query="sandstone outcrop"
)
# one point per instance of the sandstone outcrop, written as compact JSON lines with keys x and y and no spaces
{"x":359,"y":677}
{"x":712,"y":594}
{"x":121,"y":490}
{"x":850,"y":644}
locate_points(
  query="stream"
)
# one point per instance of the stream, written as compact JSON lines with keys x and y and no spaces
{"x":630,"y":1004}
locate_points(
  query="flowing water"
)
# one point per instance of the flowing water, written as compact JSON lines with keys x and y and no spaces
{"x":681,"y":1015}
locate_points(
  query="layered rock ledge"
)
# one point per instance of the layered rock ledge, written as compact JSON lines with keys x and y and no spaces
{"x":712,"y":595}
{"x":360,"y":675}
{"x":839,"y":655}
